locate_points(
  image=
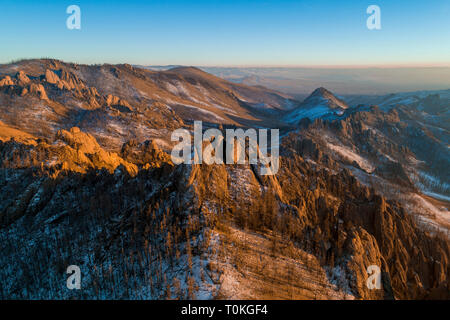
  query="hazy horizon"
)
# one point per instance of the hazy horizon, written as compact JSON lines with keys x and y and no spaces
{"x":346,"y":81}
{"x":341,"y":80}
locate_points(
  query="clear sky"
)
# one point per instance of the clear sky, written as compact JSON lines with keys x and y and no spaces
{"x":228,"y":32}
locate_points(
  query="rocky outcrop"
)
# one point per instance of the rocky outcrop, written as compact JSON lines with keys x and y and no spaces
{"x":51,"y":77}
{"x":23,"y":85}
{"x":72,"y":151}
{"x":37,"y":89}
{"x":121,"y":104}
{"x":22,"y":78}
{"x":6,"y":81}
{"x":67,"y":81}
{"x":84,"y":152}
{"x":146,"y":154}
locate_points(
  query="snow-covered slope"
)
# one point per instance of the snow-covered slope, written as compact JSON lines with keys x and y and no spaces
{"x":320,"y":103}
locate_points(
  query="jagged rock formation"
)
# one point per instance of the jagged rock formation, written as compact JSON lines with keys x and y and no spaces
{"x":146,"y":154}
{"x":7,"y":81}
{"x":70,"y":151}
{"x":22,"y":78}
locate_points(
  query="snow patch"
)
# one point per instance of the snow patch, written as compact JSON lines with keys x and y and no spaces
{"x":352,"y":156}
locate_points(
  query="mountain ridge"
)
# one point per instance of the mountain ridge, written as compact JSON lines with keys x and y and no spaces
{"x":319,"y":103}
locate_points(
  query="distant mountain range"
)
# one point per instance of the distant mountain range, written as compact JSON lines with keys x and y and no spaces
{"x":345,"y":81}
{"x":86,"y":179}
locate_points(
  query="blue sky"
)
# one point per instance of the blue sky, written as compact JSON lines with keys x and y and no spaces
{"x":226,"y":33}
